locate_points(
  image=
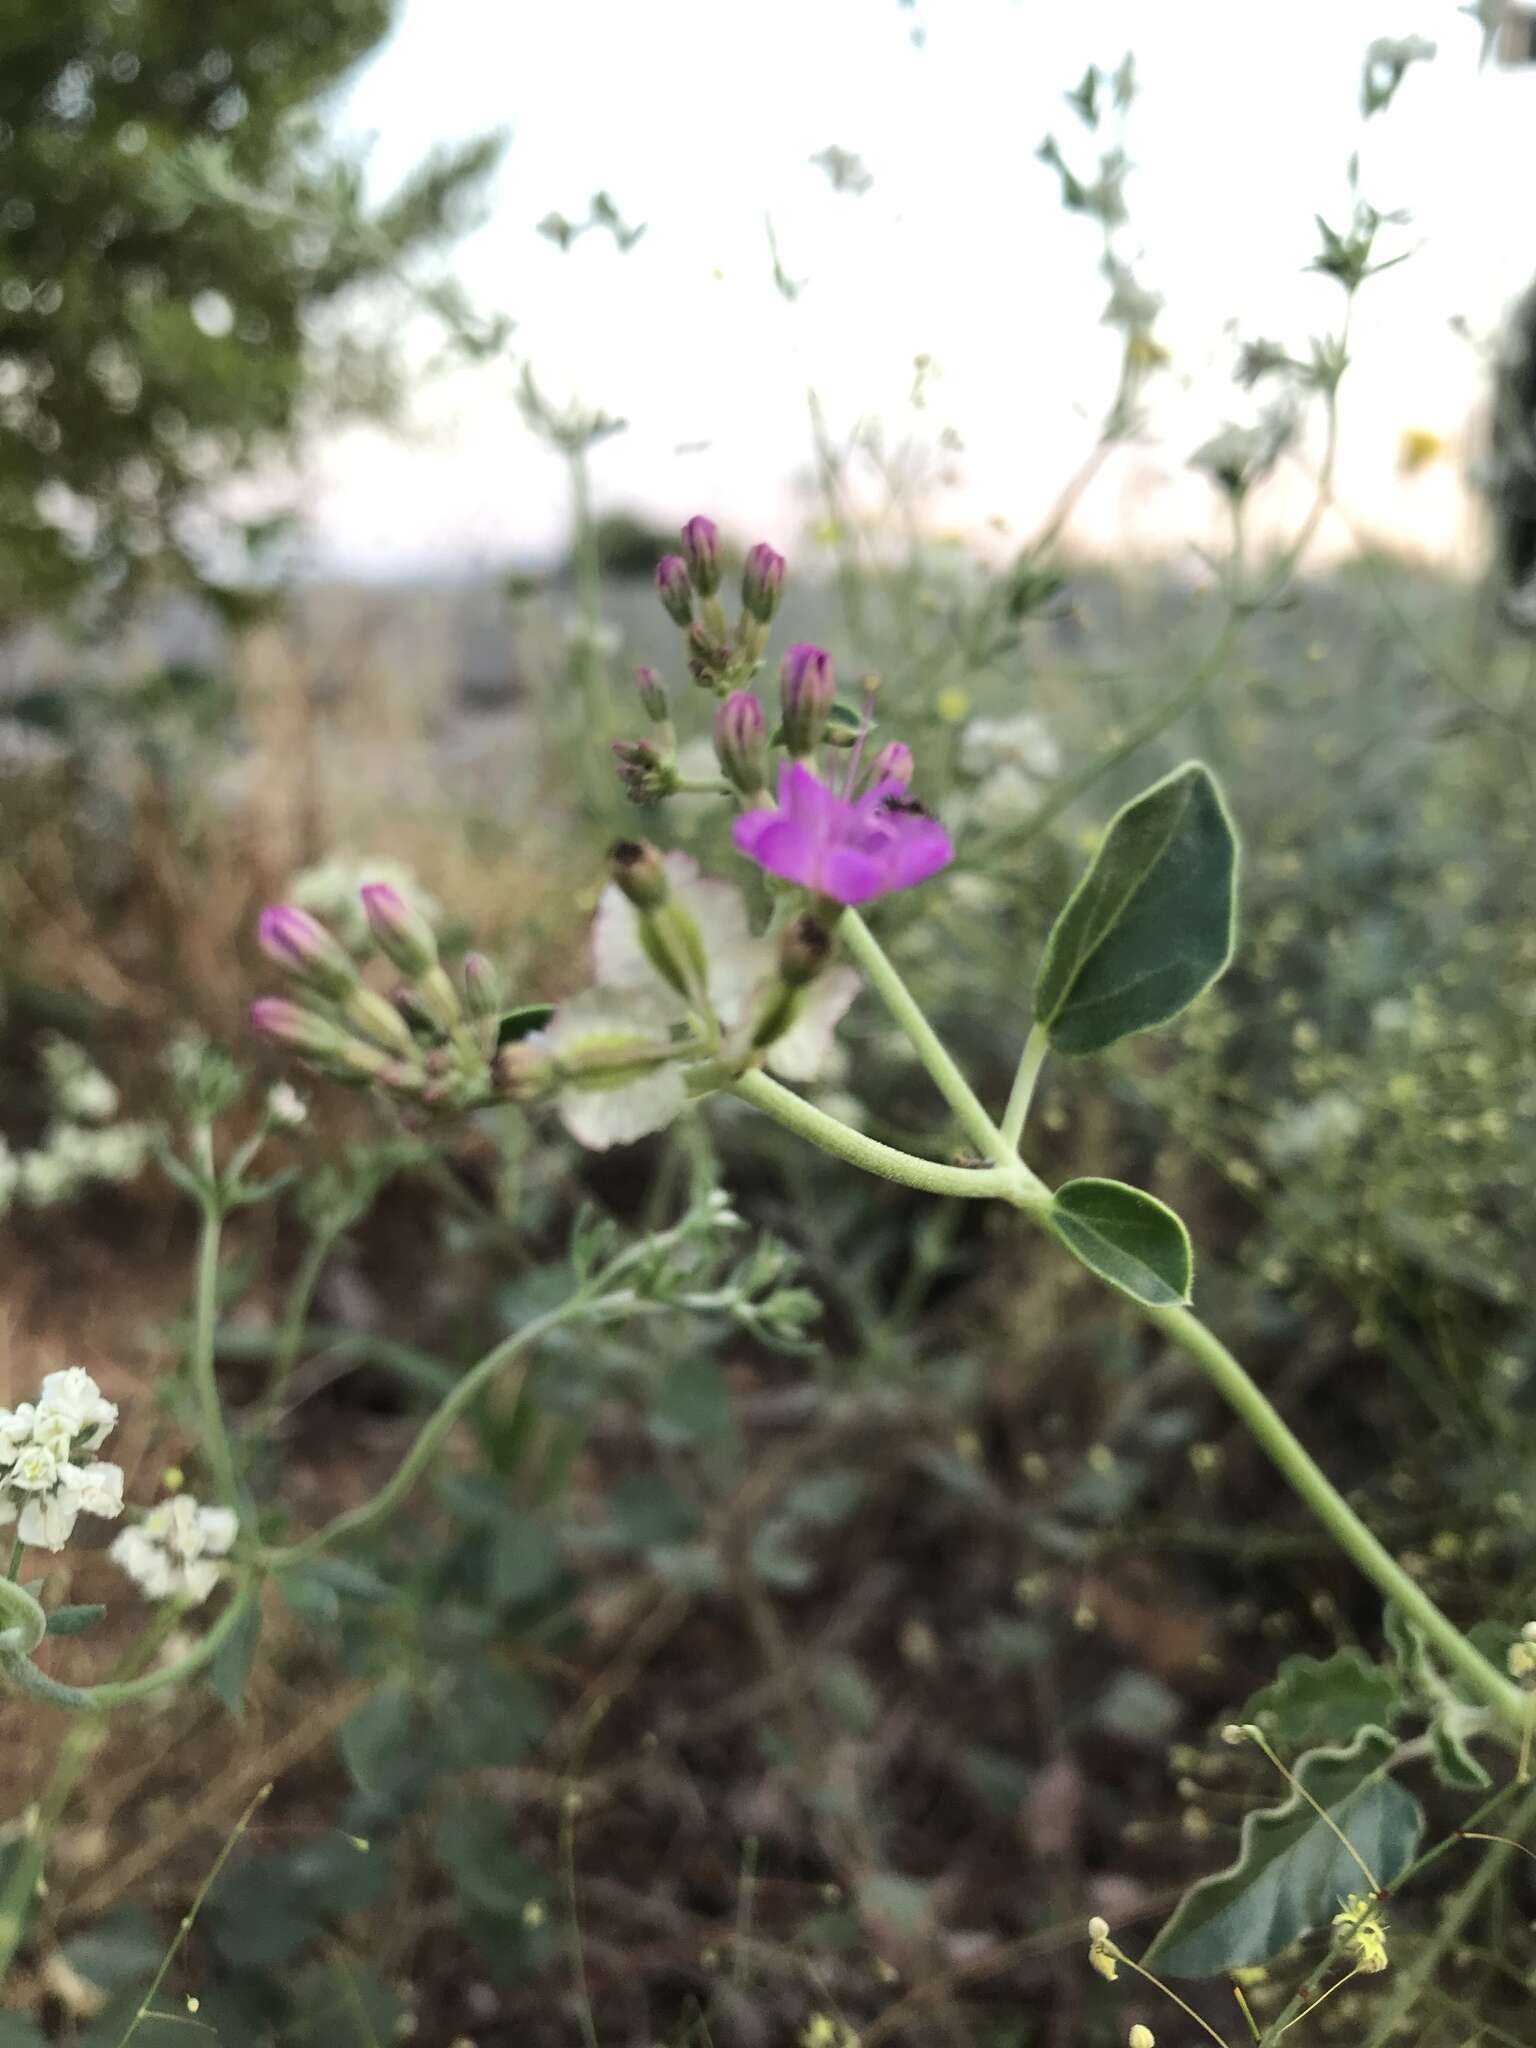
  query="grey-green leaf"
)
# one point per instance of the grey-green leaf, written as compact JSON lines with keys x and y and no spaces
{"x":1292,"y":1870}
{"x":1151,"y":924}
{"x":1454,"y":1762}
{"x":1321,"y":1700}
{"x":1127,"y":1238}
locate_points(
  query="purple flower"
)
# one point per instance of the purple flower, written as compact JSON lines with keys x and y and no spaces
{"x":399,"y":930}
{"x":674,"y":586}
{"x":701,"y":544}
{"x":848,"y":851}
{"x":762,"y":581}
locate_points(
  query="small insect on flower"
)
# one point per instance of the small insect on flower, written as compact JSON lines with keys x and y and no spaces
{"x":850,"y":851}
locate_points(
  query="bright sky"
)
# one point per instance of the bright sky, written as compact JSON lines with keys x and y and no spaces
{"x":700,"y":117}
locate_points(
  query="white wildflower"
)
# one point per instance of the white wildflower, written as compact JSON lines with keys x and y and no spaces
{"x":1007,"y":797}
{"x":173,"y":1552}
{"x":286,"y":1107}
{"x":74,"y":1393}
{"x":36,"y":1469}
{"x":47,"y":1522}
{"x":98,"y":1488}
{"x":616,"y":1109}
{"x":78,"y":1086}
{"x":15,"y":1430}
{"x":737,"y":965}
{"x":1024,"y":742}
{"x":1328,"y":1122}
{"x":45,"y":1179}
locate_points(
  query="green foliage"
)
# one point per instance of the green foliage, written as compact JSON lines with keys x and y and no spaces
{"x":153,"y":343}
{"x":1292,"y":1869}
{"x":1150,"y":926}
{"x":1129,"y":1239}
{"x":1322,"y":1701}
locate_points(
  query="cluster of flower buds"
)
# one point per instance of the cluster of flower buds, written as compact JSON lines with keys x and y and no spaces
{"x":174,"y":1552}
{"x":428,"y":1040}
{"x":45,"y":1485}
{"x":686,"y":997}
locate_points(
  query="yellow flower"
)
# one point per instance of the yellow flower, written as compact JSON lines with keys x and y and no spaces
{"x":1367,"y":1940}
{"x":952,"y":704}
{"x":1417,"y":449}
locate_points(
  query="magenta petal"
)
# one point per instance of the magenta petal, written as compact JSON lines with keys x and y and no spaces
{"x":922,"y":848}
{"x":780,"y":844}
{"x":851,"y":876}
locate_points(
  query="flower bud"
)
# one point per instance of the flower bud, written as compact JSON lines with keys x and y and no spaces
{"x":807,"y":688}
{"x":701,"y":544}
{"x":741,"y":742}
{"x":378,"y":1019}
{"x":675,"y":589}
{"x":1098,"y":1928}
{"x":653,"y":696}
{"x":302,"y":947}
{"x":1140,"y":2037}
{"x":804,"y":949}
{"x":485,"y":988}
{"x":646,"y":774}
{"x":894,"y":763}
{"x":635,"y":867}
{"x":762,"y":582}
{"x":298,"y":1029}
{"x":709,"y":657}
{"x":399,"y":930}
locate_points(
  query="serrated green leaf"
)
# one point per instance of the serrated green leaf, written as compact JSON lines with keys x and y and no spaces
{"x":1324,"y":1700}
{"x":74,"y":1621}
{"x":1151,"y":924}
{"x":1292,"y":1870}
{"x":1128,"y":1238}
{"x":1409,"y":1649}
{"x":1454,"y":1762}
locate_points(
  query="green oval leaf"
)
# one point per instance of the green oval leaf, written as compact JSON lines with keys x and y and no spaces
{"x":1127,"y":1238}
{"x":1317,"y":1700}
{"x":1292,"y":1870}
{"x":1151,"y":924}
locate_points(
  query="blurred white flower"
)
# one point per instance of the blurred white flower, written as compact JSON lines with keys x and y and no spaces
{"x":77,"y":1085}
{"x":74,"y":1393}
{"x":606,"y":1111}
{"x":1007,"y":796}
{"x":1329,"y":1121}
{"x":1024,"y":742}
{"x":173,"y":1552}
{"x":286,"y":1107}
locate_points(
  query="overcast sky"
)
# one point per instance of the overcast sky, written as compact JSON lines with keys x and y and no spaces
{"x":700,"y":118}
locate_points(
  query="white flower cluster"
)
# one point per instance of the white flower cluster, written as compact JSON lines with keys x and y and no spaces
{"x":631,"y":998}
{"x":174,"y":1552}
{"x":1013,"y":759}
{"x":80,"y":1143}
{"x":286,"y":1107}
{"x":44,"y":1483}
{"x":332,"y":892}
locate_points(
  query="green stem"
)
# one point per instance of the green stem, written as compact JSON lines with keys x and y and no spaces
{"x":430,"y":1437}
{"x":1031,"y":1060}
{"x":18,"y":1551}
{"x":798,"y":1115}
{"x":296,"y":1314}
{"x":205,"y":1308}
{"x":75,"y":1753}
{"x":1308,"y":1479}
{"x":946,"y":1076}
{"x":1016,"y":1184}
{"x":101,"y":1699}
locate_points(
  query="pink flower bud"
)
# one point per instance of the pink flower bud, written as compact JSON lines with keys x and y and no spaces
{"x":298,"y":1029}
{"x":701,"y":544}
{"x":762,"y":581}
{"x":741,"y":742}
{"x":807,"y":690}
{"x":674,"y":587}
{"x":653,"y":695}
{"x":302,"y":947}
{"x":399,"y":930}
{"x":894,"y":763}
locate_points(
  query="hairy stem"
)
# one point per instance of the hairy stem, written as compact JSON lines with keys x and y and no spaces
{"x":200,"y":1358}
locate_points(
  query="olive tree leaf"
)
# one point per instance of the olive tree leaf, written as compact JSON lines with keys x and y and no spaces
{"x":1127,"y":1238}
{"x":1322,"y":1700}
{"x":1292,"y":1869}
{"x":1151,"y":925}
